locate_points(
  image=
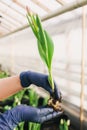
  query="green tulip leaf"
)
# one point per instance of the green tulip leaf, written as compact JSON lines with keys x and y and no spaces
{"x":44,"y":43}
{"x":50,"y":47}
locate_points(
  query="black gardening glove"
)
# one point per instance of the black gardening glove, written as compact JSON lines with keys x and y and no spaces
{"x":41,"y":80}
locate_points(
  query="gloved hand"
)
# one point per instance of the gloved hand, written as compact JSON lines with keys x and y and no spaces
{"x":11,"y":118}
{"x":41,"y":80}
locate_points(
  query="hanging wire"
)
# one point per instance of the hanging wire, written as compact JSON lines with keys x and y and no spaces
{"x":82,"y":69}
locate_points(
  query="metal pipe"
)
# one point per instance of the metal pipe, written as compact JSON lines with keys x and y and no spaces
{"x":62,"y":10}
{"x":38,"y":3}
{"x":61,"y":2}
{"x":82,"y":69}
{"x":9,"y":6}
{"x":66,"y":8}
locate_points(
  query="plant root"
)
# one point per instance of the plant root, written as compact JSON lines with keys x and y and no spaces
{"x":55,"y":104}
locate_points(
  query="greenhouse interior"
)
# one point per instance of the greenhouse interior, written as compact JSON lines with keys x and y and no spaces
{"x":43,"y":65}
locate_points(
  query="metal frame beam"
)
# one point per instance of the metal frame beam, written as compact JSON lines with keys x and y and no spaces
{"x":12,"y":8}
{"x":62,"y":2}
{"x":66,"y":8}
{"x":62,"y":10}
{"x":4,"y":12}
{"x":19,"y":3}
{"x":38,"y":3}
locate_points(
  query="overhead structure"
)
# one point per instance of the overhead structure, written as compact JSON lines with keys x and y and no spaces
{"x":13,"y":12}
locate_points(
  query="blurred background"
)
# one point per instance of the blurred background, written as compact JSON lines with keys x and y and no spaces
{"x":66,"y":22}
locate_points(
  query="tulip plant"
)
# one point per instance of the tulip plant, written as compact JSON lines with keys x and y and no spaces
{"x":46,"y":50}
{"x":44,"y":42}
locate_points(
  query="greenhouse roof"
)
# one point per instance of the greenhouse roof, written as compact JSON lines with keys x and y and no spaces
{"x":13,"y":12}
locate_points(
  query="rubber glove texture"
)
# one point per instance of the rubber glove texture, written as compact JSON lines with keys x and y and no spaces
{"x":41,"y":80}
{"x":11,"y":118}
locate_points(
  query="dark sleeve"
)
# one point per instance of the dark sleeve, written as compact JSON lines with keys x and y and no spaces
{"x":6,"y":122}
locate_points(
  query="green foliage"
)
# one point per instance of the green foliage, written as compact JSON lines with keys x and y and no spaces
{"x":3,"y":74}
{"x":64,"y":124}
{"x":33,"y":102}
{"x":44,"y":43}
{"x":33,"y":98}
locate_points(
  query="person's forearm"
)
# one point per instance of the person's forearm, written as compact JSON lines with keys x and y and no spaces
{"x":9,"y":86}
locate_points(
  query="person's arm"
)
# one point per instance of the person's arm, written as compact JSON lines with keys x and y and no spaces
{"x":11,"y":118}
{"x":9,"y":86}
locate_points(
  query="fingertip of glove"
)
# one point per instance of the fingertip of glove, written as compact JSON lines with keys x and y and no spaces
{"x":24,"y":80}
